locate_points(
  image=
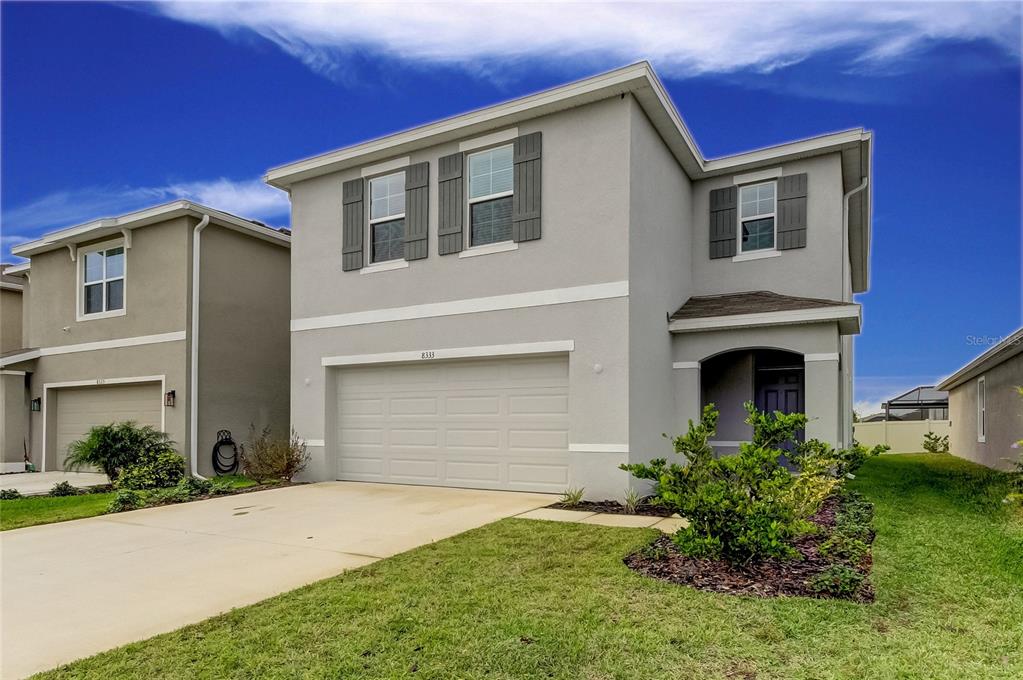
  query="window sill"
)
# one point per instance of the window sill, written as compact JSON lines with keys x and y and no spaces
{"x":489,"y":249}
{"x":100,"y":315}
{"x":756,"y":255}
{"x":384,"y":266}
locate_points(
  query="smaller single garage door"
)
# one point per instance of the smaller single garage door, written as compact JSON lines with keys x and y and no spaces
{"x":80,"y":408}
{"x":492,"y":424}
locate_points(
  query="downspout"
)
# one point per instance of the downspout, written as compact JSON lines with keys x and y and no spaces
{"x":847,"y":389}
{"x":193,"y":397}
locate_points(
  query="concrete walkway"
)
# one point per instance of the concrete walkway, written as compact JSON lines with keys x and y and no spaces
{"x":37,"y":483}
{"x":77,"y":588}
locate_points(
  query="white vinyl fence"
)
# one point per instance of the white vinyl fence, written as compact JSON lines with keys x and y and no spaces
{"x":904,"y":436}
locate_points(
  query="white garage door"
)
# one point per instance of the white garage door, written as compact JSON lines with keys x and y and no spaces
{"x":80,"y":408}
{"x":492,"y":424}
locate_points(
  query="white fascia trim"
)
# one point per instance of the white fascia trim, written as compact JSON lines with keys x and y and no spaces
{"x":22,"y":356}
{"x":802,"y":148}
{"x":388,"y":266}
{"x":798,"y":316}
{"x":162,"y":379}
{"x":489,"y":140}
{"x":539,"y":298}
{"x":489,"y":249}
{"x":599,"y":448}
{"x":11,"y":286}
{"x":386,"y":166}
{"x":685,"y":364}
{"x":989,"y":358}
{"x":19,"y":268}
{"x":826,"y":356}
{"x":758,"y":176}
{"x":452,"y":353}
{"x":756,"y":255}
{"x":12,"y":373}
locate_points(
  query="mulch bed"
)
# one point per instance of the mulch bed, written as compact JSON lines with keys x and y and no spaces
{"x":614,"y":508}
{"x":771,"y":577}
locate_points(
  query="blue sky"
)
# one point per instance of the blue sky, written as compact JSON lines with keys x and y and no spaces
{"x":108,"y":107}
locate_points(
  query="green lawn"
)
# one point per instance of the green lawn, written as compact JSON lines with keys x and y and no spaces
{"x":525,"y":599}
{"x":33,"y":510}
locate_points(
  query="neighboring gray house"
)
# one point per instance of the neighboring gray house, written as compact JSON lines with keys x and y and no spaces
{"x":174,"y":316}
{"x":526,"y":296}
{"x":985,"y":407}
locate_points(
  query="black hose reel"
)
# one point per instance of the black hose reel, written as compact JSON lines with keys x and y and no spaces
{"x":225,"y":454}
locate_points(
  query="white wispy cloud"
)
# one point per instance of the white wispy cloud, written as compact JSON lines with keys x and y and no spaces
{"x":248,"y":198}
{"x":873,"y":390}
{"x":682,"y":39}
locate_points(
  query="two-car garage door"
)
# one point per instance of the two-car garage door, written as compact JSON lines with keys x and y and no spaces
{"x":494,"y":423}
{"x":80,"y":408}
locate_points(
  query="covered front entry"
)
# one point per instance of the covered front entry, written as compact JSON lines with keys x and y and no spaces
{"x":74,"y":410}
{"x":479,"y":423}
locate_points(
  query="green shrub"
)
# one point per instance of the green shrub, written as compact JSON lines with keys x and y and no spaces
{"x":820,"y":456}
{"x":838,"y":580}
{"x":220,"y":487}
{"x":9,"y":494}
{"x":154,"y":470}
{"x":264,"y":458}
{"x":740,"y":507}
{"x":126,"y":499}
{"x":111,"y":448}
{"x":64,"y":489}
{"x":195,"y":486}
{"x":935,"y":444}
{"x":845,"y":547}
{"x":572,"y":497}
{"x":170,"y":494}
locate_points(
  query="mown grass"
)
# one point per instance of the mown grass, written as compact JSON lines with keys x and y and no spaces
{"x":33,"y":510}
{"x":528,"y":599}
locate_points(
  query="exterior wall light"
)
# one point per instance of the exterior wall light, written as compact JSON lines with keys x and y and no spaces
{"x":37,"y":404}
{"x":168,"y":399}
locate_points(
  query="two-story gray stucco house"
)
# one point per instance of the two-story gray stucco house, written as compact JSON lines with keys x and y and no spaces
{"x":528,"y":295}
{"x":175,"y":316}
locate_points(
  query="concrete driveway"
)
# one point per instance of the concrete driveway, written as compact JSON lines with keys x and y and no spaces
{"x":76,"y":588}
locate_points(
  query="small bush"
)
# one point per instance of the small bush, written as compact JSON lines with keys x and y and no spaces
{"x":114,"y":447}
{"x":195,"y":486}
{"x":220,"y":487}
{"x":264,"y":458}
{"x":171,"y":494}
{"x":9,"y":494}
{"x":154,"y":470}
{"x":126,"y":499}
{"x":64,"y":489}
{"x":632,"y":500}
{"x":838,"y":580}
{"x":572,"y":497}
{"x":820,"y":456}
{"x":935,"y":444}
{"x":845,"y":547}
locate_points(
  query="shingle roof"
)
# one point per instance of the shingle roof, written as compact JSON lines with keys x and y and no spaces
{"x":752,"y":302}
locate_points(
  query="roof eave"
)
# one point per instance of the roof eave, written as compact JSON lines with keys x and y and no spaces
{"x":1003,"y":351}
{"x":849,"y":319}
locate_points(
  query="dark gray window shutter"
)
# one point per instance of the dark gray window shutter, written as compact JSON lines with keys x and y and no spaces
{"x":791,"y":227}
{"x":417,"y":210}
{"x":353,"y":222}
{"x":722,"y":222}
{"x":450,"y":197}
{"x":526,"y":201}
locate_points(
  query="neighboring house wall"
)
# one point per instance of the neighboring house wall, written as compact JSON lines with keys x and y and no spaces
{"x":660,"y":279}
{"x":244,"y":340}
{"x":14,"y":424}
{"x":1004,"y":415}
{"x":10,"y":319}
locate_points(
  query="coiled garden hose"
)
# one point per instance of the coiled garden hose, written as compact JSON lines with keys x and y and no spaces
{"x":225,"y":454}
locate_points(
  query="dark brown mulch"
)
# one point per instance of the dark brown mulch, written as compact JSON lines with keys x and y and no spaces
{"x":615,"y":508}
{"x":772,"y":577}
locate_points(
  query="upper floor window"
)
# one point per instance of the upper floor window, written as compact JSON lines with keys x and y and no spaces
{"x":387,"y":217}
{"x":102,"y":280}
{"x":490,"y":196}
{"x":756,"y":216}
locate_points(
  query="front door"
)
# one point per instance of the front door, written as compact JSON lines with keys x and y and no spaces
{"x":780,"y":389}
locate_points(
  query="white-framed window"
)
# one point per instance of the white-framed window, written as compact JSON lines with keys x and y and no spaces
{"x":387,"y":218}
{"x":490,"y":196}
{"x":757,"y":205}
{"x":981,"y":409}
{"x":101,"y":280}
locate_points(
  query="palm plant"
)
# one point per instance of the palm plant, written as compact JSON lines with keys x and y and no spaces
{"x":113,"y":447}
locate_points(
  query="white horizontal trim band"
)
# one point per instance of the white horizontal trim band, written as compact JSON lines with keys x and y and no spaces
{"x":828,"y":356}
{"x":314,"y":442}
{"x":490,"y":249}
{"x":756,"y":255}
{"x":600,"y":448}
{"x":685,"y":364}
{"x":92,"y":346}
{"x":104,"y":381}
{"x":486,"y":140}
{"x":539,"y":298}
{"x":386,"y":166}
{"x":384,"y":266}
{"x":12,"y":372}
{"x":11,"y":286}
{"x":451,"y":353}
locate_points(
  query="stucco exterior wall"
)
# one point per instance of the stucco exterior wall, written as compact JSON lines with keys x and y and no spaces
{"x":1004,"y":416}
{"x":14,"y":424}
{"x":244,"y":341}
{"x":813,"y":271}
{"x":10,"y":320}
{"x":660,"y":280}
